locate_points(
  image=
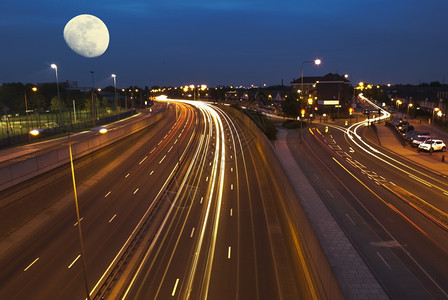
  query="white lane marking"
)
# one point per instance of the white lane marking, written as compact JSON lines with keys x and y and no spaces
{"x":231,"y":186}
{"x":175,"y":142}
{"x":143,"y":160}
{"x":77,"y":222}
{"x":420,"y":180}
{"x":112,"y":218}
{"x":231,"y":212}
{"x":160,"y":143}
{"x":151,"y":173}
{"x":136,"y":190}
{"x":127,"y":175}
{"x":384,"y":261}
{"x":152,"y":151}
{"x":202,"y":198}
{"x":330,"y":194}
{"x":29,"y":266}
{"x":231,"y":169}
{"x":229,"y":251}
{"x":73,"y":262}
{"x":180,"y":135}
{"x":162,"y":159}
{"x":175,"y":287}
{"x":350,"y":219}
{"x":170,"y":149}
{"x":165,"y":136}
{"x":192,"y":232}
{"x":206,"y":179}
{"x":105,"y":196}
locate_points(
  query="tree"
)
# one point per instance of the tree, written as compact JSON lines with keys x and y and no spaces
{"x":291,"y":106}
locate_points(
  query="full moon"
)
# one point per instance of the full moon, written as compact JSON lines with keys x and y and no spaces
{"x":87,"y":35}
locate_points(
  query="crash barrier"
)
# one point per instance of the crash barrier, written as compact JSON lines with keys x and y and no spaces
{"x":30,"y":165}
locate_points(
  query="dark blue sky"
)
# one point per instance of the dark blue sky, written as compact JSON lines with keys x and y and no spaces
{"x":239,"y":42}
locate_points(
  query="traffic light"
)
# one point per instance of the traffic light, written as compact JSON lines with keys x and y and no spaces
{"x":350,"y":111}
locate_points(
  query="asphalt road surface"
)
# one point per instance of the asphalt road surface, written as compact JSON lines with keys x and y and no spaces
{"x":196,"y":181}
{"x":406,"y":250}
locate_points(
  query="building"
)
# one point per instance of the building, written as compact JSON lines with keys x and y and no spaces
{"x":327,"y":91}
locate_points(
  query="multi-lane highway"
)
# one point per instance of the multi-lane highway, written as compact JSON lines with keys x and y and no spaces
{"x":403,"y":241}
{"x":184,"y":209}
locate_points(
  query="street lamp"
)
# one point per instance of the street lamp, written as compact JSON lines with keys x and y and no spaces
{"x":92,"y":104}
{"x":115,"y":89}
{"x":409,"y":106}
{"x":434,"y":112}
{"x":316,"y":62}
{"x":125,"y":99}
{"x":55,"y":67}
{"x":101,"y":130}
{"x":398,"y":102}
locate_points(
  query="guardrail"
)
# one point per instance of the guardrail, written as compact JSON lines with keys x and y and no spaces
{"x":31,"y":165}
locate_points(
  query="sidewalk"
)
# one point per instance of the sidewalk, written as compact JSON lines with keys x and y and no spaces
{"x":433,"y":162}
{"x":355,"y":278}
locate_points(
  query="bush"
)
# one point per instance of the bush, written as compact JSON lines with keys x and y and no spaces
{"x":267,"y":126}
{"x":291,"y":124}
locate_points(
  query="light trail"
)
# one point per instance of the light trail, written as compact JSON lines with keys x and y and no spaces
{"x":352,"y":133}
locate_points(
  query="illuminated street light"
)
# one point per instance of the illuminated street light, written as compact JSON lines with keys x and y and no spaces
{"x":115,"y":89}
{"x":398,"y":103}
{"x":55,"y":67}
{"x":435,"y":110}
{"x":316,"y":62}
{"x":409,"y":106}
{"x":36,"y":132}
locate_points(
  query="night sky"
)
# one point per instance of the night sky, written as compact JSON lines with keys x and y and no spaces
{"x":229,"y":42}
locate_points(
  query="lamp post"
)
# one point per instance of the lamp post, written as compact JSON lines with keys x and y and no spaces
{"x":434,"y":112}
{"x":316,"y":62}
{"x":125,"y":100}
{"x":115,"y":89}
{"x":101,"y":130}
{"x":92,"y":105}
{"x":78,"y":219}
{"x":409,"y":106}
{"x":55,"y":67}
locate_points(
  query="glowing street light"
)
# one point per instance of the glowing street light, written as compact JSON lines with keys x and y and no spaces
{"x":409,"y":106}
{"x":115,"y":89}
{"x":316,"y":62}
{"x":435,"y":110}
{"x":55,"y":67}
{"x":102,"y":130}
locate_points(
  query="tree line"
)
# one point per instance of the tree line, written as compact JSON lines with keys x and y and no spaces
{"x":16,"y":97}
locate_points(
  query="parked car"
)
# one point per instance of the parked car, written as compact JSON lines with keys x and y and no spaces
{"x":418,"y":140}
{"x":406,"y":128}
{"x":396,"y":121}
{"x":411,"y":135}
{"x":401,"y":124}
{"x":432,"y":145}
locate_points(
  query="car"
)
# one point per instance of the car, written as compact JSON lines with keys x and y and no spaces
{"x":401,"y":124}
{"x":406,"y":128}
{"x":418,"y":140}
{"x":396,"y":121}
{"x":432,"y":145}
{"x":411,"y":135}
